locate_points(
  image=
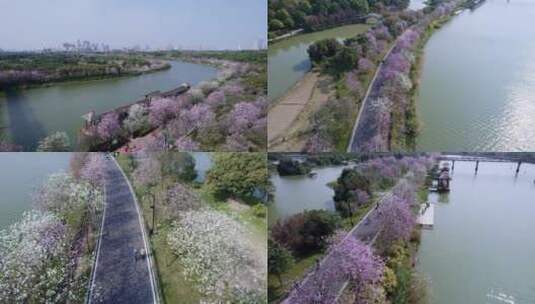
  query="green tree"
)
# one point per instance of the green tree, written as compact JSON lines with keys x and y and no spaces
{"x":349,"y":181}
{"x":285,"y":18}
{"x":179,"y":166}
{"x":279,"y":259}
{"x":275,"y":25}
{"x":360,"y":6}
{"x":344,"y":60}
{"x":238,"y":174}
{"x":325,"y":48}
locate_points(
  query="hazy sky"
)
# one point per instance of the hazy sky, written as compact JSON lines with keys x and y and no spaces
{"x":212,"y":24}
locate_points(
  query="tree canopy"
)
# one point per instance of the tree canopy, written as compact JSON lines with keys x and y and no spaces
{"x":238,"y":174}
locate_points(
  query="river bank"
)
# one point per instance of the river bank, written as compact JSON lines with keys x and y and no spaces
{"x":30,"y":115}
{"x":56,"y":234}
{"x":28,"y":70}
{"x":475,"y":97}
{"x":227,"y":113}
{"x":389,"y":121}
{"x":363,"y":196}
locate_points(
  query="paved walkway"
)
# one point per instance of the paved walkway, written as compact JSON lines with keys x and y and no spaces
{"x":366,"y":231}
{"x":120,"y":277}
{"x":362,"y":133}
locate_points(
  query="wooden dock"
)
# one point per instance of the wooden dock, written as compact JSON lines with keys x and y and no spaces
{"x":426,"y":217}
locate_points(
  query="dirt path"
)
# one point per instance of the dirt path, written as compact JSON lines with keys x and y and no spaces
{"x":284,"y":113}
{"x":289,"y":119}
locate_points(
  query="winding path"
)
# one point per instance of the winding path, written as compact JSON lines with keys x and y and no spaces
{"x":361,"y":126}
{"x":366,"y":231}
{"x":120,"y":275}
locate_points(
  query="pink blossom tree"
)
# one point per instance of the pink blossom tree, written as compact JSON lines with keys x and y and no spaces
{"x":109,"y":126}
{"x":359,"y":264}
{"x":186,"y":144}
{"x":161,"y":111}
{"x":148,"y":173}
{"x":397,"y":220}
{"x":94,"y":171}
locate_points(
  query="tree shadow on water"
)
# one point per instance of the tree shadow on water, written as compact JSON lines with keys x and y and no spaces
{"x":302,"y":66}
{"x":24,"y":127}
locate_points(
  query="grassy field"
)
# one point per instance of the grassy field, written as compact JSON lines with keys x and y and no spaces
{"x":276,"y":292}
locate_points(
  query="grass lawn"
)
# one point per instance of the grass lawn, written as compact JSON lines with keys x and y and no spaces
{"x":277,"y":292}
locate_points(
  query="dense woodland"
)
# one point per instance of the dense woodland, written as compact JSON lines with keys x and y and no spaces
{"x":27,"y":68}
{"x":311,"y":15}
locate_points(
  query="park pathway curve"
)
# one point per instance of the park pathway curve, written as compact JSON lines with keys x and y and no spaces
{"x":366,"y":230}
{"x":120,"y":275}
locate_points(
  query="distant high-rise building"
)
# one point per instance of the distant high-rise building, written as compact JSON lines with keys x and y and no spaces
{"x":261,"y":44}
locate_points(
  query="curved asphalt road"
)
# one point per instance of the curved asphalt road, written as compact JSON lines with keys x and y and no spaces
{"x":120,"y":277}
{"x":366,"y":231}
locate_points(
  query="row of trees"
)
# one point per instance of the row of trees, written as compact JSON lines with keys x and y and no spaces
{"x":372,"y":273}
{"x":392,"y":119}
{"x":18,"y":69}
{"x":42,"y":255}
{"x":213,"y":248}
{"x":313,"y":15}
{"x":216,"y":115}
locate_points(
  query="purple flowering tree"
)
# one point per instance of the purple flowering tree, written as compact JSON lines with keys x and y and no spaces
{"x":359,"y":264}
{"x":148,"y":173}
{"x":186,"y":144}
{"x":397,"y":221}
{"x":109,"y":126}
{"x":94,"y":171}
{"x":161,"y":111}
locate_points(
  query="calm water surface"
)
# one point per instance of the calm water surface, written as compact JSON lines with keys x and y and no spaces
{"x":478,"y":81}
{"x":295,"y":194}
{"x":482,"y":246}
{"x":417,"y":4}
{"x":32,"y":114}
{"x":288,"y":59}
{"x":20,"y":175}
{"x":203,"y":162}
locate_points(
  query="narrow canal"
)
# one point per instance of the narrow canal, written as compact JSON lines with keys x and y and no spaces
{"x":295,"y":194}
{"x":21,"y":175}
{"x":288,"y":59}
{"x":35,"y":113}
{"x":477,"y":89}
{"x":482,"y":245}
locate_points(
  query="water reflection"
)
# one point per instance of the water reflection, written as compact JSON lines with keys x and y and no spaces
{"x":295,"y":194}
{"x":37,"y":112}
{"x":483,"y":234}
{"x":478,"y":78}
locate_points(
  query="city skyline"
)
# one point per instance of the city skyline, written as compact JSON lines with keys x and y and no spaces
{"x":157,"y":24}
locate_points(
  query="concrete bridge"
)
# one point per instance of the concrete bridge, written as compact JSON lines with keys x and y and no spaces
{"x":479,"y":159}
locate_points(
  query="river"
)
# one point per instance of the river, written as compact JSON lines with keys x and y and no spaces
{"x":482,"y":246}
{"x":288,"y":59}
{"x":477,"y":89}
{"x":295,"y":194}
{"x":34,"y":113}
{"x":20,"y":175}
